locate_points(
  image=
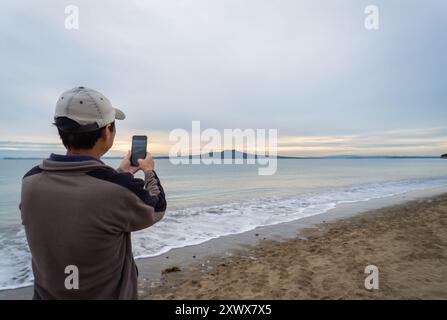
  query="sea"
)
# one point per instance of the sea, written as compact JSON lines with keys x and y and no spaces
{"x":210,"y":201}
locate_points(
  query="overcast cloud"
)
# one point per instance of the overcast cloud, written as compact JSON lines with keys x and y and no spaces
{"x":308,"y":68}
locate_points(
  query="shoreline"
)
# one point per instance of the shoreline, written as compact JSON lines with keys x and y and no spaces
{"x":204,"y":256}
{"x":406,"y":242}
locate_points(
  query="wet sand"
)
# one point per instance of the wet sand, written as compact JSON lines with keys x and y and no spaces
{"x":407,"y":242}
{"x":316,"y":257}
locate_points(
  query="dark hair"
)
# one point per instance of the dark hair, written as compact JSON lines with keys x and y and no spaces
{"x":73,"y":136}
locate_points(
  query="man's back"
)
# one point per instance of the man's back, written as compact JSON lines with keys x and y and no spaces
{"x":79,"y":213}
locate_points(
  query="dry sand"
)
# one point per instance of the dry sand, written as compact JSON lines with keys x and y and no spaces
{"x":407,"y":242}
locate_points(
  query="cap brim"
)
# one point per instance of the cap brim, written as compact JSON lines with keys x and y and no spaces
{"x":119,"y":115}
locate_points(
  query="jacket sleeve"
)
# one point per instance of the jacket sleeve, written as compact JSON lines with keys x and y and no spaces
{"x":152,"y":205}
{"x":142,"y":205}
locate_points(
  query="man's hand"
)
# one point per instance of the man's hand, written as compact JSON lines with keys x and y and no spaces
{"x":126,"y":165}
{"x":147,"y":164}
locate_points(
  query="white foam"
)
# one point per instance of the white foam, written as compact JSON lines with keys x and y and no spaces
{"x":15,"y":261}
{"x":196,"y":225}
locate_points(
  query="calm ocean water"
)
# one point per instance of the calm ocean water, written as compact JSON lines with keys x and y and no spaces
{"x":207,"y":202}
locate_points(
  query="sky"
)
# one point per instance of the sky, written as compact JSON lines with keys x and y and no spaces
{"x":309,"y":69}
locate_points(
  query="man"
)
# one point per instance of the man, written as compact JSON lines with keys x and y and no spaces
{"x":78,"y":212}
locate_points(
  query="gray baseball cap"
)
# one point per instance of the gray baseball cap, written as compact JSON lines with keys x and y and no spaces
{"x":89,"y":108}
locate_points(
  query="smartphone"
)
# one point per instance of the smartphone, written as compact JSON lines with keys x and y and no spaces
{"x":139,"y":146}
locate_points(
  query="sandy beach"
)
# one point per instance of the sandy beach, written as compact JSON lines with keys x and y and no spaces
{"x":318,"y":257}
{"x":407,"y":242}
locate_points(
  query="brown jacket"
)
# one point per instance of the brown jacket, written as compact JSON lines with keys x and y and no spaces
{"x":79,"y":212}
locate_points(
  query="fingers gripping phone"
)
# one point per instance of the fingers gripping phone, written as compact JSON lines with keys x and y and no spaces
{"x":139,"y":146}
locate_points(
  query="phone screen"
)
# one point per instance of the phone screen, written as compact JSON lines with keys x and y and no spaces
{"x":139,"y":145}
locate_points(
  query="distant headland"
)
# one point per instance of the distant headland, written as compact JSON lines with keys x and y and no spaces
{"x":233,"y":154}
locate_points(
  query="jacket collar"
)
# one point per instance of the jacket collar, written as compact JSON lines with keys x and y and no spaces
{"x":70,"y":158}
{"x":71,"y":163}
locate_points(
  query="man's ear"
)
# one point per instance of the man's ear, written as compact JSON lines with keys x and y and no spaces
{"x":106,"y":132}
